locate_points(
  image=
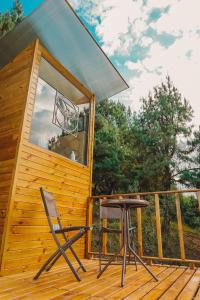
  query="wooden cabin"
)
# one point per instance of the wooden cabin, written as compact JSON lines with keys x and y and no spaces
{"x":49,"y":64}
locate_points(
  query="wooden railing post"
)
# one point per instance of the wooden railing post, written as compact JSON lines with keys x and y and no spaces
{"x":158,"y":226}
{"x":198,"y":196}
{"x":180,"y":226}
{"x":89,"y":233}
{"x":139,"y":225}
{"x":120,"y":238}
{"x":105,"y":237}
{"x":156,"y":195}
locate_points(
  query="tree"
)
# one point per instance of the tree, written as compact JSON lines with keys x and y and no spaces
{"x":157,"y":134}
{"x":112,"y":150}
{"x":160,"y":133}
{"x":9,"y":20}
{"x":191,"y":176}
{"x":145,"y":151}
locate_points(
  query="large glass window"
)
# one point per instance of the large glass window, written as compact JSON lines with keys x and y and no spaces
{"x":60,"y":120}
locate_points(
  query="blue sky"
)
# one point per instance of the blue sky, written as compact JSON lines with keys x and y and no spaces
{"x":146,"y":40}
{"x":28,"y":5}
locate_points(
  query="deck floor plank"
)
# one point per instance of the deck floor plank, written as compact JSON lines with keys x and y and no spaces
{"x":190,"y":289}
{"x":150,"y":285}
{"x":59,"y":284}
{"x":197,"y":296}
{"x":178,"y":285}
{"x":162,"y":286}
{"x":131,"y":283}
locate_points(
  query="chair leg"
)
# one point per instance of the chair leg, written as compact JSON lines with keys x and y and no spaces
{"x":56,"y":255}
{"x":45,"y":265}
{"x":70,"y":265}
{"x":59,"y":255}
{"x":52,"y":260}
{"x":100,"y":248}
{"x":48,"y":268}
{"x":112,"y":258}
{"x":77,"y":259}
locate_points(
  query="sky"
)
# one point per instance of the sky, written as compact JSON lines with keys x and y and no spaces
{"x":146,"y":40}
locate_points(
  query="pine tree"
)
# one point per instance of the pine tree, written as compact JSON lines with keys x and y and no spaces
{"x":9,"y":20}
{"x":17,"y":13}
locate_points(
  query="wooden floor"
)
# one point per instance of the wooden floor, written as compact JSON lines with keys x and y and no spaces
{"x":59,"y":284}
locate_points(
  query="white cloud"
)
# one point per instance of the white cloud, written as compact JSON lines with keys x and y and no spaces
{"x":159,"y":3}
{"x":122,"y":25}
{"x":183,"y":17}
{"x":134,"y":66}
{"x":146,"y":41}
{"x":116,"y":20}
{"x":181,"y":61}
{"x":119,"y":21}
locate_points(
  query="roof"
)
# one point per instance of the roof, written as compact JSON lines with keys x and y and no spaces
{"x":63,"y":34}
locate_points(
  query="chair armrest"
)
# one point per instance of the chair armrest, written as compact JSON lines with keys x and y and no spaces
{"x":74,"y":228}
{"x":110,"y":230}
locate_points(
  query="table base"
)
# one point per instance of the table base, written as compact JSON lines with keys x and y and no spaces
{"x":126,"y":247}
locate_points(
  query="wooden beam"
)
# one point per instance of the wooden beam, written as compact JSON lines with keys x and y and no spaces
{"x":120,"y":238}
{"x":150,"y":193}
{"x":180,"y":226}
{"x":89,"y":233}
{"x":158,"y":226}
{"x":139,"y":224}
{"x":164,"y":259}
{"x":56,"y":64}
{"x":198,"y":196}
{"x":105,"y":237}
{"x":91,"y":139}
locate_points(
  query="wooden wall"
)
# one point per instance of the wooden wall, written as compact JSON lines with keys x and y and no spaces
{"x":14,"y":82}
{"x":27,"y":239}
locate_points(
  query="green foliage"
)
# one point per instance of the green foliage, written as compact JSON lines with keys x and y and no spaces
{"x":111,"y":149}
{"x":190,"y":212}
{"x":9,"y":20}
{"x":142,"y":152}
{"x":191,"y":176}
{"x":163,"y":119}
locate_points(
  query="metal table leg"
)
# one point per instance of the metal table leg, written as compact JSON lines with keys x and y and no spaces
{"x":126,"y":247}
{"x":136,"y":256}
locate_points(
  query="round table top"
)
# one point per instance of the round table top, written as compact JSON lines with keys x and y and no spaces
{"x":130,"y":203}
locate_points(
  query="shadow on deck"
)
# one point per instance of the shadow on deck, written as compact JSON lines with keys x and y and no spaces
{"x":59,"y":284}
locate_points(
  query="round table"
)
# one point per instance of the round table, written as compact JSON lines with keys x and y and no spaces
{"x":125,"y":205}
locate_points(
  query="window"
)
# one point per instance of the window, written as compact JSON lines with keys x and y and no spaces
{"x":60,"y":120}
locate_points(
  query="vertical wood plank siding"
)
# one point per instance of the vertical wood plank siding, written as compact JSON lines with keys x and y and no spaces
{"x":28,"y":241}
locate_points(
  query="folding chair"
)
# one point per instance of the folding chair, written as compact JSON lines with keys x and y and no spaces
{"x":52,"y":216}
{"x":113,"y":213}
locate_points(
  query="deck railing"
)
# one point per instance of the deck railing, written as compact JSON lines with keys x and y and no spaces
{"x":160,"y":202}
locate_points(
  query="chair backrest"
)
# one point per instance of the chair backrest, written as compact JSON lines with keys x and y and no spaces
{"x":110,"y":212}
{"x":49,"y":204}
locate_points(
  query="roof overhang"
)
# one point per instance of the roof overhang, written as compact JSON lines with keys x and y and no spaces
{"x":63,"y":34}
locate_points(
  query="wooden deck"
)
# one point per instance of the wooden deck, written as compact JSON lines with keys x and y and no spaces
{"x":174,"y":283}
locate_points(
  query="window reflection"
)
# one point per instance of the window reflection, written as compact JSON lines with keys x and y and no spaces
{"x":47,"y":134}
